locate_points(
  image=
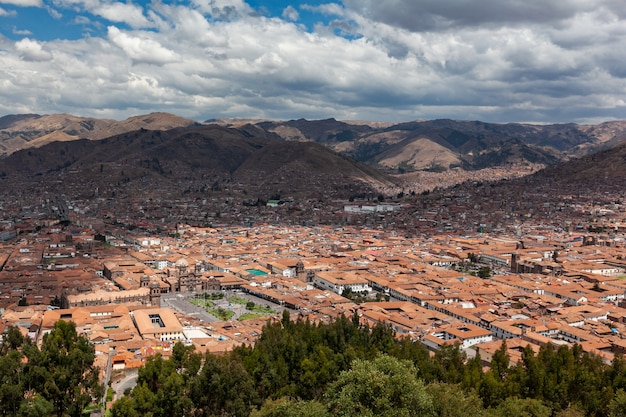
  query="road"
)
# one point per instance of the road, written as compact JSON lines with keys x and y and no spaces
{"x":128,"y":382}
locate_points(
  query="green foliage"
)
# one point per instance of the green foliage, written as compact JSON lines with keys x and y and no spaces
{"x":449,"y":364}
{"x":360,"y":297}
{"x":36,"y":406}
{"x":250,"y":316}
{"x":11,"y":386}
{"x":110,"y":393}
{"x":12,"y":340}
{"x":57,"y":379}
{"x":238,"y":300}
{"x":223,"y":387}
{"x":301,"y":369}
{"x":515,"y":407}
{"x":201,"y":302}
{"x":384,"y":386}
{"x":451,"y":400}
{"x":163,"y":386}
{"x":221,"y":313}
{"x":287,"y":407}
{"x":617,"y":407}
{"x":67,"y":377}
{"x":570,"y":411}
{"x":484,"y":272}
{"x":258,"y":308}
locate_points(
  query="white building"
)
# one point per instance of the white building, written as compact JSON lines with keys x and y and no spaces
{"x":339,"y":281}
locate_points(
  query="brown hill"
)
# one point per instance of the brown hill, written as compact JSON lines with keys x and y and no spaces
{"x":25,"y":131}
{"x":449,"y":143}
{"x":309,"y":164}
{"x":420,"y":154}
{"x":400,"y":147}
{"x":607,"y":166}
{"x":196,"y":156}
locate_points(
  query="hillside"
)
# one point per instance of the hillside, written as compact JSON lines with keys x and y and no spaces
{"x":432,"y":145}
{"x":197,"y":157}
{"x":605,"y":166}
{"x":443,"y":144}
{"x":33,"y":130}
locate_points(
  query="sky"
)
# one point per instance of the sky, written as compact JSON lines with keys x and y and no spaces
{"x":499,"y":61}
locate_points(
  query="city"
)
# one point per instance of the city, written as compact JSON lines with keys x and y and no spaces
{"x":534,"y":272}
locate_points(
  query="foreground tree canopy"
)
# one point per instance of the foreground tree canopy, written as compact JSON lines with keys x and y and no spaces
{"x":58,"y":379}
{"x":300,"y":369}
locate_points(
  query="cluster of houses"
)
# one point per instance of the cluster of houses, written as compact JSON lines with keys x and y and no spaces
{"x":557,"y":289}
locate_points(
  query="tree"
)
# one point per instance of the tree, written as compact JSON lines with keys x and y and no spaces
{"x":11,"y":340}
{"x":384,"y":386}
{"x":11,"y":382}
{"x":287,"y":407}
{"x":450,"y":361}
{"x":516,"y":407}
{"x":571,"y":411}
{"x":140,"y":403}
{"x":36,"y":406}
{"x":484,"y":272}
{"x":450,"y":400}
{"x":62,"y":372}
{"x":223,"y":388}
{"x":617,"y":406}
{"x":500,"y":362}
{"x":318,"y":369}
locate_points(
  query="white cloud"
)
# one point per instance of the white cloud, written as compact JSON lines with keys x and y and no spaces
{"x":21,"y":32}
{"x":218,"y":58}
{"x":141,"y":48}
{"x":31,"y":50}
{"x":425,"y":15}
{"x":23,"y":3}
{"x":328,"y":9}
{"x":54,"y":13}
{"x":130,"y":14}
{"x":290,"y":13}
{"x":227,"y":10}
{"x":4,"y":12}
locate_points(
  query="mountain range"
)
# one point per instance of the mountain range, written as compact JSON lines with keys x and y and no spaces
{"x":444,"y":144}
{"x":417,"y":145}
{"x":197,"y":157}
{"x":319,"y":158}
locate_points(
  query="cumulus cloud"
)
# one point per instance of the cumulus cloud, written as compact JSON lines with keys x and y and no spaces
{"x":31,"y":50}
{"x":21,"y":32}
{"x":130,"y":14}
{"x":290,"y":13}
{"x":23,"y":3}
{"x":428,"y":15}
{"x":4,"y":12}
{"x":141,"y":48}
{"x":226,"y":10}
{"x":113,"y":11}
{"x":392,"y":60}
{"x":54,"y":13}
